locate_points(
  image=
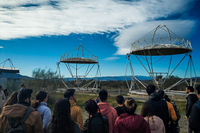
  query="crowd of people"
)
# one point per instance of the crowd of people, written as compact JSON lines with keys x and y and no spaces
{"x":158,"y":114}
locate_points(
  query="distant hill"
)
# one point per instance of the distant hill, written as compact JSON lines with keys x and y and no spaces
{"x":115,"y":78}
{"x":104,"y":78}
{"x":13,"y":76}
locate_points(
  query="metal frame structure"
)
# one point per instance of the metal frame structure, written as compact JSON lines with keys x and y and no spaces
{"x":156,"y":44}
{"x":10,"y":69}
{"x":77,"y":61}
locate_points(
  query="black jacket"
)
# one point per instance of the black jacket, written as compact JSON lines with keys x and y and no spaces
{"x":194,"y":120}
{"x":191,"y":99}
{"x":120,"y":110}
{"x":160,"y":108}
{"x":96,"y":124}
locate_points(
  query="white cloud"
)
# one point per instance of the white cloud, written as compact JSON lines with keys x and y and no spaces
{"x":1,"y":47}
{"x":85,"y":16}
{"x":111,"y":58}
{"x":126,"y":37}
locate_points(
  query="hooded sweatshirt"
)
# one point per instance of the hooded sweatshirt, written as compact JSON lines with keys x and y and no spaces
{"x":109,"y":112}
{"x":156,"y":124}
{"x":131,"y":124}
{"x":33,"y":123}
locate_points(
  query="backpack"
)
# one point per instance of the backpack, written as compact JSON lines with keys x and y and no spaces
{"x":18,"y":127}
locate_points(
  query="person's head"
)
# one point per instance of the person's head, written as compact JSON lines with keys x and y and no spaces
{"x":12,"y":99}
{"x":70,"y":94}
{"x":25,"y":95}
{"x":120,"y":99}
{"x":23,"y":85}
{"x":91,"y":107}
{"x":147,"y":110}
{"x":198,"y":91}
{"x":150,"y":89}
{"x":162,"y":93}
{"x":103,"y":95}
{"x":61,"y":119}
{"x":189,"y":89}
{"x":130,"y":106}
{"x":40,"y":96}
{"x":6,"y":92}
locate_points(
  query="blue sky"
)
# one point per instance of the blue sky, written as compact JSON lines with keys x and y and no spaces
{"x":34,"y":34}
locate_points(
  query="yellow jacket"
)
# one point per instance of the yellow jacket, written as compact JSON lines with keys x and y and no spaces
{"x":76,"y":114}
{"x":172,"y":113}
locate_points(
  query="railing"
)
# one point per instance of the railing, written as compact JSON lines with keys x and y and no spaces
{"x":72,"y":56}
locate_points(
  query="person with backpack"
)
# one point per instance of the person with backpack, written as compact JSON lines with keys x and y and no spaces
{"x":96,"y":123}
{"x":174,"y":126}
{"x":172,"y":113}
{"x":21,"y":117}
{"x":41,"y":105}
{"x":194,"y":120}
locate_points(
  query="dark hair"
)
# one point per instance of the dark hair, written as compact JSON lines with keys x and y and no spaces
{"x":0,"y":87}
{"x":39,"y":96}
{"x":24,"y":94}
{"x":198,"y":89}
{"x":92,"y":108}
{"x":61,"y":120}
{"x":120,"y":99}
{"x":103,"y":95}
{"x":68,"y":93}
{"x":190,"y":88}
{"x":22,"y":85}
{"x":5,"y":92}
{"x":167,"y":98}
{"x":162,"y":93}
{"x":150,"y":89}
{"x":130,"y":106}
{"x":12,"y":99}
{"x":147,"y":110}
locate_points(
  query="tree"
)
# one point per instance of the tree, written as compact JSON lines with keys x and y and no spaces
{"x":45,"y":79}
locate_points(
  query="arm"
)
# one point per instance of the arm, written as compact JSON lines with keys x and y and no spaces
{"x":171,"y":111}
{"x":46,"y":117}
{"x":77,"y":128}
{"x":3,"y":124}
{"x":194,"y":118}
{"x":188,"y":105}
{"x":177,"y":112}
{"x":80,"y":118}
{"x":85,"y":127}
